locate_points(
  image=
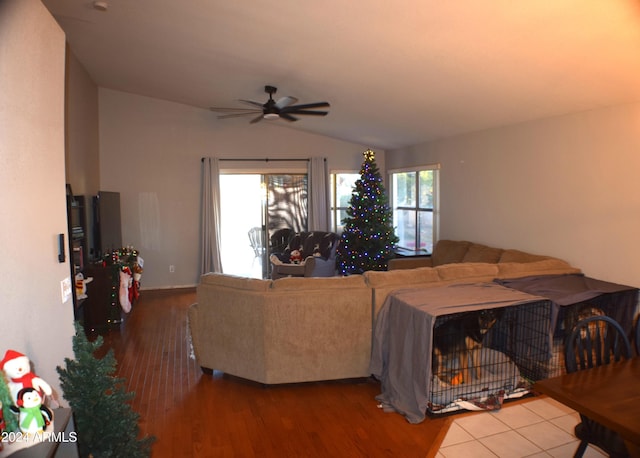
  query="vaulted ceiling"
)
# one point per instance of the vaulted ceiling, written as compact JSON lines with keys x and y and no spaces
{"x":395,"y":73}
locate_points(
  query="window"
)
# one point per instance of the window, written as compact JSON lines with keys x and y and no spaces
{"x":342,"y":185}
{"x":414,"y":200}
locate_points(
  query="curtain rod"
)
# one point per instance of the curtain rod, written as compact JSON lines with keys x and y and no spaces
{"x":266,"y":159}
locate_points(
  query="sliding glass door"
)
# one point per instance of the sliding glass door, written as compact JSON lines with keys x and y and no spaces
{"x":255,"y":207}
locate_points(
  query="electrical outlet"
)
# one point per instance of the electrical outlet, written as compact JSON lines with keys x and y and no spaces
{"x":172,"y":268}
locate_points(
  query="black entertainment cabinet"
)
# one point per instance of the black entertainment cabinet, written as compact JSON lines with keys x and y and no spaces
{"x":94,"y":231}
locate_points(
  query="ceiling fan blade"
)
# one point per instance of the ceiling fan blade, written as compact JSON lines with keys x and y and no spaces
{"x":285,"y":102}
{"x":308,"y":105}
{"x":234,"y":110}
{"x":257,"y":119}
{"x":251,"y":102}
{"x":288,"y":117}
{"x":305,"y":112}
{"x":237,"y":115}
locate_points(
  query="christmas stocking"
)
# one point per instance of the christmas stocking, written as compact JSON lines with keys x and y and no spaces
{"x":125,"y":303}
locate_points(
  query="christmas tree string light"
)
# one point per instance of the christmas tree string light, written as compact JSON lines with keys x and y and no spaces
{"x":368,"y":240}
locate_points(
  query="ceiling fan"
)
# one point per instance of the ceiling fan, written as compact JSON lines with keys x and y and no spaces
{"x":284,"y":108}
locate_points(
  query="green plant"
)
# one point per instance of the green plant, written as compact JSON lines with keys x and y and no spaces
{"x":105,"y":422}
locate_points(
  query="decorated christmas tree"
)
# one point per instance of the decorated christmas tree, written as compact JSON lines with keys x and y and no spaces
{"x":368,"y":238}
{"x":105,"y":422}
{"x":6,"y":416}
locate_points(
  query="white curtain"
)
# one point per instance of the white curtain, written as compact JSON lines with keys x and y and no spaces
{"x":210,"y":214}
{"x":318,"y":174}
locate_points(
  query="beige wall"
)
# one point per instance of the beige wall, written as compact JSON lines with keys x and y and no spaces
{"x":150,"y":152}
{"x":81,"y":123}
{"x":82,"y":159}
{"x":565,"y":186}
{"x":32,"y":188}
{"x":562,"y":186}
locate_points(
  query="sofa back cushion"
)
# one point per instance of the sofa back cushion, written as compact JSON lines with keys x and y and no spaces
{"x":280,"y":239}
{"x":482,"y":253}
{"x":233,"y":281}
{"x":401,"y":277}
{"x":520,"y":256}
{"x":468,"y":271}
{"x":454,"y":251}
{"x":449,"y":251}
{"x":551,"y":266}
{"x":318,"y":284}
{"x":318,"y":242}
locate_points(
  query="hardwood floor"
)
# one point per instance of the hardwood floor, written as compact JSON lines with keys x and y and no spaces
{"x":197,"y":415}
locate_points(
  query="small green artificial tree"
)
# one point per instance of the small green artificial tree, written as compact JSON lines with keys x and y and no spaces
{"x":106,"y":424}
{"x":368,"y":238}
{"x":10,"y":419}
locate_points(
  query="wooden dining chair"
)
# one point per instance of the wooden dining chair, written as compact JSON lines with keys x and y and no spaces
{"x":595,"y":341}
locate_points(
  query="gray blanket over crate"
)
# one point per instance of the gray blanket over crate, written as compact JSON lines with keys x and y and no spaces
{"x":618,"y":301}
{"x":402,"y":345}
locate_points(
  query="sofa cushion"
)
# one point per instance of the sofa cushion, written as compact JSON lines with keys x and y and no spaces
{"x":482,"y":253}
{"x":233,"y":281}
{"x":550,"y":266}
{"x":449,"y":251}
{"x":401,"y":277}
{"x":467,"y":271}
{"x":520,"y":256}
{"x":322,"y":267}
{"x":410,"y":262}
{"x":318,"y":283}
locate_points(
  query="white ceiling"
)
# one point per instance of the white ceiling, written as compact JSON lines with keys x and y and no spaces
{"x":396,"y":73}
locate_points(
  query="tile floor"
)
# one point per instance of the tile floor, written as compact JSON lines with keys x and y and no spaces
{"x":540,"y":427}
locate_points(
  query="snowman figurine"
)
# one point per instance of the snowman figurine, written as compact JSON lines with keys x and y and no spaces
{"x":17,"y":369}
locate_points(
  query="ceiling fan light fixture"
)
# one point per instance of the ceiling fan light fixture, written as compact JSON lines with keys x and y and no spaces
{"x":271,"y":116}
{"x":100,"y":6}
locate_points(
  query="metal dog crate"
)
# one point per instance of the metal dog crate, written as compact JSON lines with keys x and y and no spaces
{"x":525,"y":344}
{"x":569,"y":295}
{"x":516,"y":350}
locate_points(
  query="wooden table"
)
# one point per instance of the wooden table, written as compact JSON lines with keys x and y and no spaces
{"x":608,"y":394}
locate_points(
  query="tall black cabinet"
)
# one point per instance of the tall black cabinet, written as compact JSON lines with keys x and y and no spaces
{"x":94,"y":231}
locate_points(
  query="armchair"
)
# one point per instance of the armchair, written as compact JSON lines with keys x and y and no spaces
{"x":279,"y":240}
{"x":317,"y":249}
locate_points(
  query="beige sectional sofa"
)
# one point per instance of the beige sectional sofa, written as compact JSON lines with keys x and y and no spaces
{"x":454,"y":251}
{"x":294,"y":329}
{"x":308,"y":329}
